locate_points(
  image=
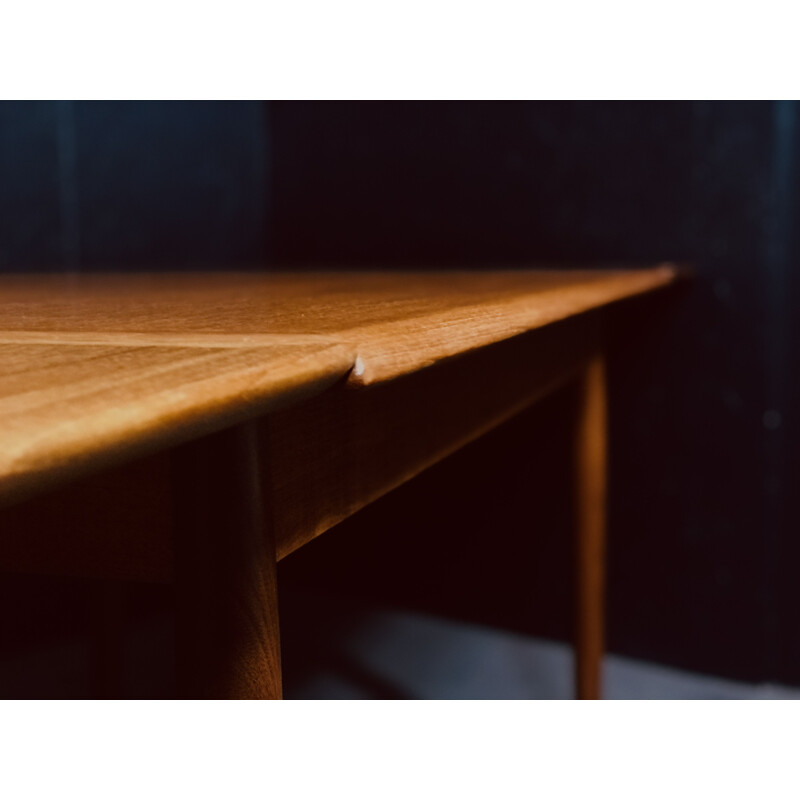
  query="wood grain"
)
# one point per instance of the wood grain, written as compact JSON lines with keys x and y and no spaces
{"x":361,"y":381}
{"x":590,"y":492}
{"x":99,"y":369}
{"x":397,"y":322}
{"x":330,"y":455}
{"x":66,"y":409}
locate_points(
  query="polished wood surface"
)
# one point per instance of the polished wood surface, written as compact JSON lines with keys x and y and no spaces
{"x":96,"y":369}
{"x":331,"y":455}
{"x":398,"y":322}
{"x":197,"y":428}
{"x":66,"y":408}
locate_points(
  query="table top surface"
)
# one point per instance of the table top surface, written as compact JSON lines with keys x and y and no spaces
{"x":97,"y":368}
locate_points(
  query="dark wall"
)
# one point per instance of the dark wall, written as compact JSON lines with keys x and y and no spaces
{"x":113,"y":185}
{"x":704,"y":439}
{"x":703,"y":520}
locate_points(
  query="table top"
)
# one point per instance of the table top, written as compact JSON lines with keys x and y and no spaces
{"x":99,"y":368}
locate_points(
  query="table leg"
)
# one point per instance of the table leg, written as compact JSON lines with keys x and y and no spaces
{"x":590,"y":494}
{"x":227,"y":636}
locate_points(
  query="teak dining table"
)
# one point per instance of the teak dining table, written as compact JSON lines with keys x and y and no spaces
{"x":197,"y":428}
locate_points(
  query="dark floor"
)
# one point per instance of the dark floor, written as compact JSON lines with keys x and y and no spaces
{"x":386,"y":653}
{"x":333,"y":648}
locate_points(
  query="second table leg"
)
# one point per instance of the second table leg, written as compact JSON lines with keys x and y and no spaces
{"x":590,"y":498}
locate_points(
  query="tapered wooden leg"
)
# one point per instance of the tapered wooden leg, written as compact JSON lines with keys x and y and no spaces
{"x":227,"y":636}
{"x":590,"y":494}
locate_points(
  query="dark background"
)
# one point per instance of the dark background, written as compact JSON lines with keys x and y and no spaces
{"x":703,"y":547}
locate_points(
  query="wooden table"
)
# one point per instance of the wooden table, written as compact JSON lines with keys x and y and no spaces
{"x":198,"y":428}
